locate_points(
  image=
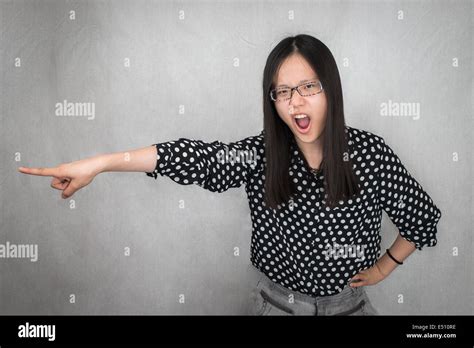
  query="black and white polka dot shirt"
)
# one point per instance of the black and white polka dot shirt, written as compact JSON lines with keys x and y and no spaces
{"x":304,"y":245}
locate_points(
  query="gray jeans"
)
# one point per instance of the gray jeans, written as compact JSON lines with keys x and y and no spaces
{"x":269,"y":298}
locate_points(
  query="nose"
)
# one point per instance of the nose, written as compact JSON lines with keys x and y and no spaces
{"x":296,"y":98}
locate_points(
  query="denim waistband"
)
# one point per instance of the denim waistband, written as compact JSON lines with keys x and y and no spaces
{"x":345,"y":293}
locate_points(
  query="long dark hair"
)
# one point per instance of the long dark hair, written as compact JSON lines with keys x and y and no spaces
{"x":339,"y":179}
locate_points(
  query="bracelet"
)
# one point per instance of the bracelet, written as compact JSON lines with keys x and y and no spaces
{"x":394,"y":259}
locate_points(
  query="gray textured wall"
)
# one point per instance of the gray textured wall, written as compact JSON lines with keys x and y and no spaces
{"x":209,"y":57}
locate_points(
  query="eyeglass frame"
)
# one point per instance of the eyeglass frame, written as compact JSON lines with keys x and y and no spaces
{"x":296,"y":88}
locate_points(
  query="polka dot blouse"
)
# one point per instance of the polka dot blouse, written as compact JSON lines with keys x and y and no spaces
{"x":303,"y":245}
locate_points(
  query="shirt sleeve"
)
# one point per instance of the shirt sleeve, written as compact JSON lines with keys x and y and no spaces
{"x":409,"y":207}
{"x":215,"y":166}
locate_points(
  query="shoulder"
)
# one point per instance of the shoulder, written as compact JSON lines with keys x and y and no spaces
{"x":256,"y":140}
{"x":360,"y":138}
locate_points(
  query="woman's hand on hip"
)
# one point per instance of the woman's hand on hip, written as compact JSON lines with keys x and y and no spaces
{"x":368,"y":276}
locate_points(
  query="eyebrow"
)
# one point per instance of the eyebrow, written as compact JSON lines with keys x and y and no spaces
{"x":281,"y":85}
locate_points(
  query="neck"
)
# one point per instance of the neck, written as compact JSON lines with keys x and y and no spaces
{"x":313,"y":152}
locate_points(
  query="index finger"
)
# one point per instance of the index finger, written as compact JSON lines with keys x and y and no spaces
{"x":39,"y":171}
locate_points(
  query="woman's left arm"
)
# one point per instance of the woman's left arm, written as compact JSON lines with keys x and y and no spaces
{"x":411,"y":210}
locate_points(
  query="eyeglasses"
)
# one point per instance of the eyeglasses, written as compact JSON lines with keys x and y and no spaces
{"x":305,"y":90}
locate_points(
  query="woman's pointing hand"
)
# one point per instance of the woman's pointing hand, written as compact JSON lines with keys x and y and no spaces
{"x":68,"y":177}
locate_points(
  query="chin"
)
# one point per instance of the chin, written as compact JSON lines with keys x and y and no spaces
{"x":307,"y":138}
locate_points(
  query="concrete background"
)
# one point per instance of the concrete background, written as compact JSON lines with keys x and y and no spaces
{"x":207,"y":58}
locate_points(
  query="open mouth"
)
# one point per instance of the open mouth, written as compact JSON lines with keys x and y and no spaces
{"x":302,"y":122}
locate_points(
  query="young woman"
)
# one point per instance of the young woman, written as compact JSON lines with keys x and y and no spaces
{"x":316,"y":189}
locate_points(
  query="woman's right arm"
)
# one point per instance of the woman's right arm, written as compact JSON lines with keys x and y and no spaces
{"x":140,"y":160}
{"x":215,"y":166}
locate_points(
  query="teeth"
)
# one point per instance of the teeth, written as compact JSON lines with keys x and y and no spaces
{"x":301,"y":116}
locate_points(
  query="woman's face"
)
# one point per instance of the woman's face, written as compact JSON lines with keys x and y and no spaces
{"x":293,"y":70}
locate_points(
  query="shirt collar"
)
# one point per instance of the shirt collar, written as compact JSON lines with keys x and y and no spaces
{"x":298,"y":158}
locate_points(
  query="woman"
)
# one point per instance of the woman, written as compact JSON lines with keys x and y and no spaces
{"x":316,"y":189}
